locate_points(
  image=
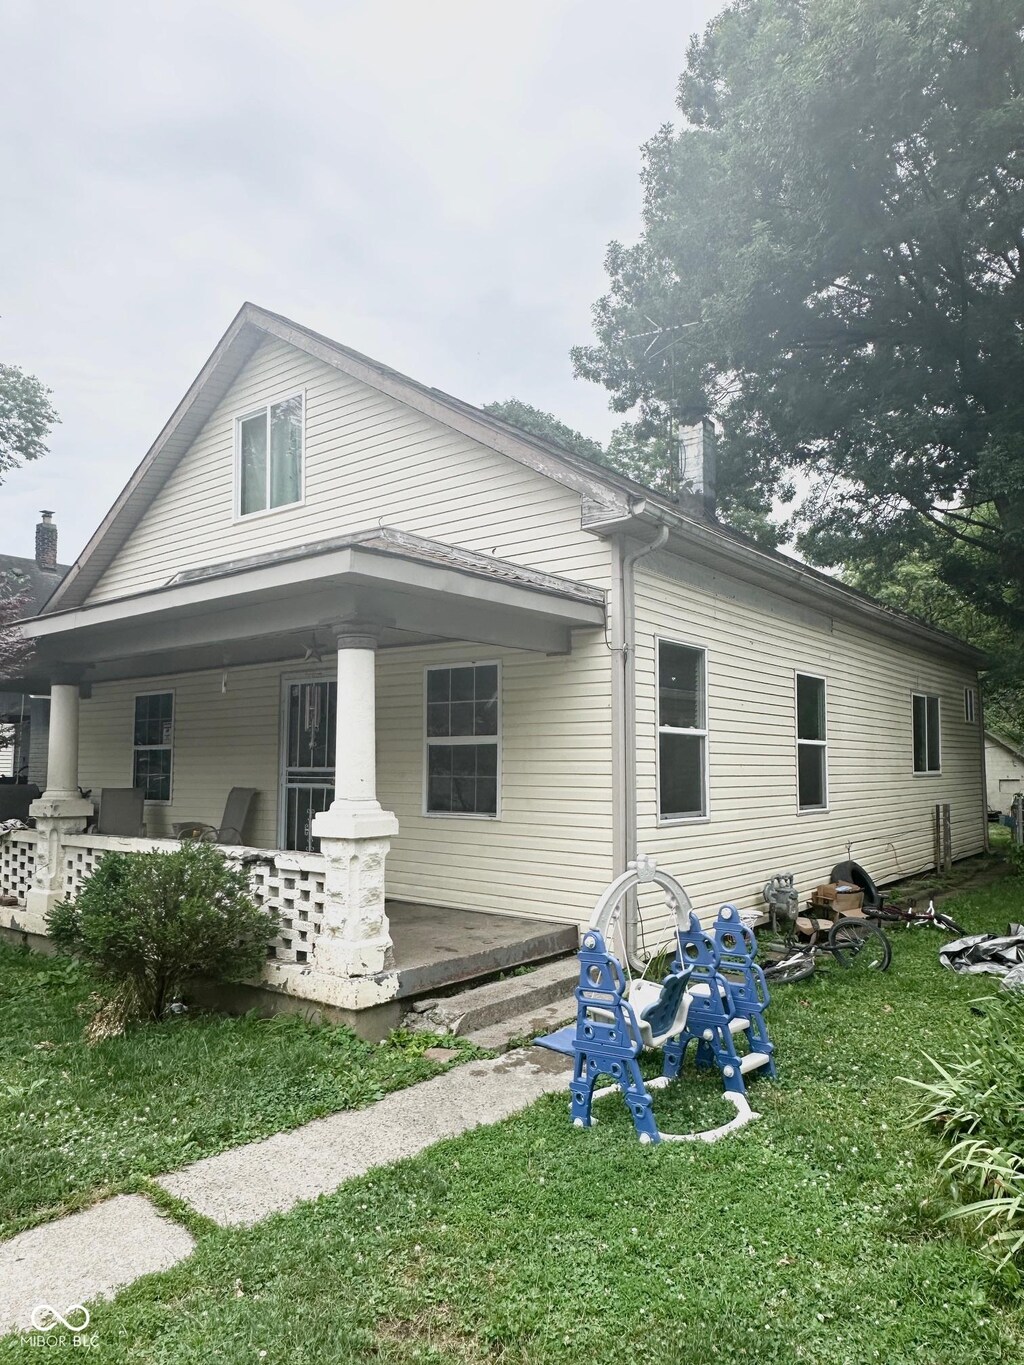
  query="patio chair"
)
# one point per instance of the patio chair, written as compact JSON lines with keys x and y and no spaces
{"x":231,"y":829}
{"x":121,"y":812}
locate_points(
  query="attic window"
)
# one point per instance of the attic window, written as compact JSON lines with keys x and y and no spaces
{"x":268,"y":444}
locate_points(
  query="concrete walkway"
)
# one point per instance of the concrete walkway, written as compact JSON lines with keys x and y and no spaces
{"x":95,"y":1253}
{"x":62,"y":1265}
{"x":245,"y":1184}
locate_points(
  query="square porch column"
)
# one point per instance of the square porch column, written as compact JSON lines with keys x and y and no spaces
{"x":61,"y":810}
{"x":355,"y":832}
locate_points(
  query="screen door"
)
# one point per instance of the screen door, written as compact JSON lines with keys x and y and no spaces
{"x":310,"y":720}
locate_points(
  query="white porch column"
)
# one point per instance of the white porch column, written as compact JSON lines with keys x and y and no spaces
{"x":62,"y":751}
{"x":355,"y":833}
{"x":60,"y":810}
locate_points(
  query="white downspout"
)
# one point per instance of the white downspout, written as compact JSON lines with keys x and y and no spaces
{"x":629,"y":745}
{"x":616,"y":642}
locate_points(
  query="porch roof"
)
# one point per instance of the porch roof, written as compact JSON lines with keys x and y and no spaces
{"x":280,"y":605}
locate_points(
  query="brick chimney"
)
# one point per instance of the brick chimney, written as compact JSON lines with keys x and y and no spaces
{"x":697,"y":463}
{"x":46,"y":543}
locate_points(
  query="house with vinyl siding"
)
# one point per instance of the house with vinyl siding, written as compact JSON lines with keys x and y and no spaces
{"x":467,"y":672}
{"x":1004,"y":766}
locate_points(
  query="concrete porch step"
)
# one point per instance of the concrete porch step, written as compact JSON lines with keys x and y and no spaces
{"x":437,"y":948}
{"x":499,"y":1037}
{"x":480,"y":1007}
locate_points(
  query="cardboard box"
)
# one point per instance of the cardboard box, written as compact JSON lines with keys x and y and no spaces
{"x":839,"y":896}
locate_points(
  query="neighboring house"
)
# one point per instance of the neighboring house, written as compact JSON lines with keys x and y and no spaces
{"x":477,"y":672}
{"x":1004,"y":769}
{"x":23,"y":717}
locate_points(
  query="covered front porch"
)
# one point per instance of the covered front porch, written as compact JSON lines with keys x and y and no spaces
{"x":433,"y":946}
{"x":345,"y":942}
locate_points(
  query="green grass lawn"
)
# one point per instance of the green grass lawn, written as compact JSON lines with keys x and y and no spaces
{"x":811,"y":1236}
{"x":79,"y":1121}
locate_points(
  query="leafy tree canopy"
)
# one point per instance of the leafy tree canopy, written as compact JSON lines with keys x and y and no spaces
{"x":831,"y":260}
{"x":915,"y":585}
{"x":545,"y":425}
{"x":637,"y":450}
{"x":26,"y":417}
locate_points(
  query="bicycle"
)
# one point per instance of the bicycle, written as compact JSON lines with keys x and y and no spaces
{"x":911,"y":918}
{"x":855,"y":943}
{"x":876,"y":906}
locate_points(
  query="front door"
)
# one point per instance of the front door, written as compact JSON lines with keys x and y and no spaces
{"x":307,"y":759}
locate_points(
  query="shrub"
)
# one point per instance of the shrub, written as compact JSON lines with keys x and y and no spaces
{"x":976,"y":1103}
{"x":1015,"y":857}
{"x":147,"y":921}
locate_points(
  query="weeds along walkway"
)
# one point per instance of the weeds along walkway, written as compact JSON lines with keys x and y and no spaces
{"x":99,"y":1251}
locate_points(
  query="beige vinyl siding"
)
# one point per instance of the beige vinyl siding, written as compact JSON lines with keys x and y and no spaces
{"x":550,"y":853}
{"x":878,"y":808}
{"x":221,"y":740}
{"x":38,"y":740}
{"x":368,"y":459}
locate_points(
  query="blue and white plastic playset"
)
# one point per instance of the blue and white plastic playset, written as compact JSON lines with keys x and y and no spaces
{"x":713,"y":996}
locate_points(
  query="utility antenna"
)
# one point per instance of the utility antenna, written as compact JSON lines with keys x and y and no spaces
{"x":656,"y":337}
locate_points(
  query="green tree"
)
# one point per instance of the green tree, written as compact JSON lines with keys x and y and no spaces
{"x":914,"y":584}
{"x":547,"y":426}
{"x":641,"y":452}
{"x":26,"y":418}
{"x":643,"y":455}
{"x":831,"y":259}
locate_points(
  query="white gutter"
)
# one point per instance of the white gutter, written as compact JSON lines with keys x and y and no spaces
{"x":786,"y":576}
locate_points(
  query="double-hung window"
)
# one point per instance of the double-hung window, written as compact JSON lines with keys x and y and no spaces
{"x":463,"y":730}
{"x":927,"y":734}
{"x":269,"y":456}
{"x":811,"y":742}
{"x":153,"y":742}
{"x":682,"y":732}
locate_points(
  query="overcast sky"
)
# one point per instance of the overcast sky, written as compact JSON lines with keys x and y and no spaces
{"x":433,"y":182}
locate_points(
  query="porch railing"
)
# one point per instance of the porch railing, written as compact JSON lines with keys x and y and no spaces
{"x":291,"y":883}
{"x":17,"y":863}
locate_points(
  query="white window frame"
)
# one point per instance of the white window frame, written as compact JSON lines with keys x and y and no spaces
{"x":157,"y":692}
{"x":810,"y":743}
{"x":667,"y":821}
{"x":925,"y":772}
{"x":970,"y":707}
{"x":454,"y":740}
{"x":255,"y":411}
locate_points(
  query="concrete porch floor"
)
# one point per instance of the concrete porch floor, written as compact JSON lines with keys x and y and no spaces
{"x":437,"y":947}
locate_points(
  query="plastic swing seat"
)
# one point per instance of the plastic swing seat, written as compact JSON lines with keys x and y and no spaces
{"x":660,"y":1010}
{"x":619,"y":1017}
